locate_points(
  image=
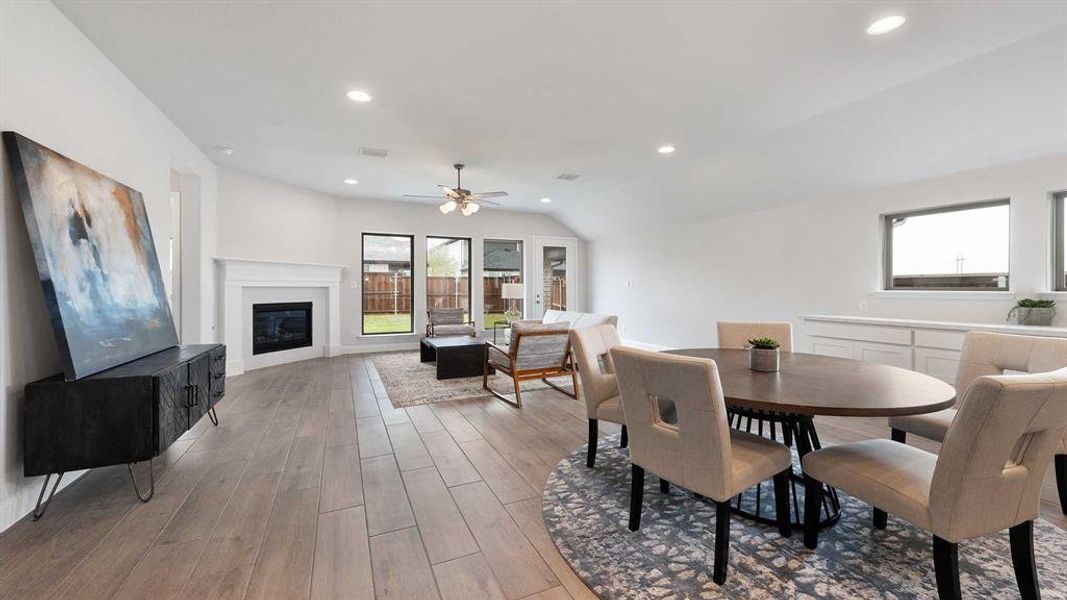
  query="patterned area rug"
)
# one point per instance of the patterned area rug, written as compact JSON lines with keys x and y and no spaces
{"x":411,"y":383}
{"x":671,"y":556}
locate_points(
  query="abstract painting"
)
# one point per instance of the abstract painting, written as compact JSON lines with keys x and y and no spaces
{"x":95,"y":257}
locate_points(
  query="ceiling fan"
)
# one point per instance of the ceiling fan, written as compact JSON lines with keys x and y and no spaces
{"x":466,"y":201}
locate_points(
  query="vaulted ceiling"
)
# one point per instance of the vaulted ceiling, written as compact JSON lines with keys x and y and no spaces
{"x":767,"y":102}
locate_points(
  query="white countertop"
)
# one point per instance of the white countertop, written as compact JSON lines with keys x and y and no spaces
{"x":942,"y":325}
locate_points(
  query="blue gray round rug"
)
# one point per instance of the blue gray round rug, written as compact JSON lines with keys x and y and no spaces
{"x":670,"y":557}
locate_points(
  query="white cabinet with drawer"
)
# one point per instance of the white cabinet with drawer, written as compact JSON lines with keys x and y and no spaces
{"x":886,"y":354}
{"x":938,"y":362}
{"x":931,"y":347}
{"x":833,"y":347}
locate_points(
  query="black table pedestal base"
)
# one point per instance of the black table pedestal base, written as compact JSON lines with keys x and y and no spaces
{"x":797,"y":432}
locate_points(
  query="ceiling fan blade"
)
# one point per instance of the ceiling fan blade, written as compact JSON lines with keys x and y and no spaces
{"x":489,"y":194}
{"x":449,"y":191}
{"x":484,"y":201}
{"x":418,"y":196}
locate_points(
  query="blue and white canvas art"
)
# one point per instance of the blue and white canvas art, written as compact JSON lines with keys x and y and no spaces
{"x":96,"y":259}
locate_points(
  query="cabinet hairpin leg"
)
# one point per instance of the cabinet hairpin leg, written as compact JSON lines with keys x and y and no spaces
{"x":151,"y":482}
{"x":214,"y":417}
{"x":39,"y":510}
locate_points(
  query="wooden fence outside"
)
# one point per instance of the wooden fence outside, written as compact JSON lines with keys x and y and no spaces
{"x":384,"y":293}
{"x":557,"y":299}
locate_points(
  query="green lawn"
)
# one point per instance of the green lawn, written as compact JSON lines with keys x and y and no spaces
{"x":388,"y":323}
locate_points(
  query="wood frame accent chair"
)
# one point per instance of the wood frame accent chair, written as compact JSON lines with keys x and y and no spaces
{"x":536,"y":351}
{"x":993,"y":354}
{"x":591,"y":347}
{"x":448,"y":321}
{"x":735,"y":334}
{"x":987,"y":477}
{"x":699,"y":451}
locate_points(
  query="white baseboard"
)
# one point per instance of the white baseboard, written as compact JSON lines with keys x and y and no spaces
{"x":235,"y":367}
{"x":22,"y":502}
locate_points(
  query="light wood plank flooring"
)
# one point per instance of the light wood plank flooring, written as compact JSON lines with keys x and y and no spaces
{"x":314,"y":486}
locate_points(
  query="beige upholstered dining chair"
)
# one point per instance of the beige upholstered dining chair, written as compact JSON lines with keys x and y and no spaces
{"x":535,"y":351}
{"x":987,"y":477}
{"x":592,"y":354}
{"x":735,"y":334}
{"x":699,"y":452}
{"x":993,"y":354}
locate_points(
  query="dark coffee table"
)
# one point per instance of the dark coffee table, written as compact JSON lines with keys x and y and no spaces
{"x":456,"y":355}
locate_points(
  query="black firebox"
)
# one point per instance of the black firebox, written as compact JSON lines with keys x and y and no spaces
{"x":281,"y":326}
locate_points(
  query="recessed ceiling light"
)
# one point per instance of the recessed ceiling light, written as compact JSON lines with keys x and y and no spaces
{"x":546,"y":200}
{"x":665,"y":149}
{"x":359,"y":96}
{"x":224,"y":150}
{"x":885,"y":25}
{"x":351,"y":181}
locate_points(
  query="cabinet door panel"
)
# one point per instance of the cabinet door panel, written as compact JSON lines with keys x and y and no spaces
{"x":886,"y":354}
{"x":832,"y":347}
{"x":172,"y":395}
{"x":942,"y":364}
{"x":199,"y":379}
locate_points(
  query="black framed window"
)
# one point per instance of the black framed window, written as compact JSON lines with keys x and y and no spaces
{"x":1059,"y":259}
{"x":502,"y":289}
{"x":963,"y":247}
{"x":448,"y":273}
{"x":388,"y":296}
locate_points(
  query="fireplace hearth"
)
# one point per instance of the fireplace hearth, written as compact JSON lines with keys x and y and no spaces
{"x":280,"y":326}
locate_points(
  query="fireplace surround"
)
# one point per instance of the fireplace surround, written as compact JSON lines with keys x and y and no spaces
{"x":246,"y":282}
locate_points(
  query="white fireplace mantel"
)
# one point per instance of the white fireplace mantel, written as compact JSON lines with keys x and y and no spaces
{"x":238,"y":275}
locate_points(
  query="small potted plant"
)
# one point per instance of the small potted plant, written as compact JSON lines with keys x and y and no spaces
{"x":763,"y":354}
{"x":1033,"y":312}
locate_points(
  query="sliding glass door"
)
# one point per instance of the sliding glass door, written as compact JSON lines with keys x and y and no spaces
{"x":502,"y":289}
{"x":387,"y":291}
{"x":448,"y":274}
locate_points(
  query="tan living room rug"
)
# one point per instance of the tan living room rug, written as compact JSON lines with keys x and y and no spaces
{"x":412,"y":383}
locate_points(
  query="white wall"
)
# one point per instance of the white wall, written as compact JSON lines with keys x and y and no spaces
{"x":814,"y":257}
{"x":266,"y":220}
{"x":58,"y":89}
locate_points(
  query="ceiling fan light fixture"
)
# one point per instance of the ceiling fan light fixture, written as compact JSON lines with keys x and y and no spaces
{"x":359,"y":96}
{"x":885,"y":25}
{"x":459,"y":197}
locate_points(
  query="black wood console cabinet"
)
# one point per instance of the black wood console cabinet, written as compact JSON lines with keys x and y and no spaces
{"x":127,"y":414}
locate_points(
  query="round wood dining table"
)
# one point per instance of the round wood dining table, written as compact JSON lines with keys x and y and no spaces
{"x":782,"y":405}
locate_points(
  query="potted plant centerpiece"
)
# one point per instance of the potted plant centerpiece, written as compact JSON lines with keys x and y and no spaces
{"x":1033,"y":312}
{"x":763,"y":354}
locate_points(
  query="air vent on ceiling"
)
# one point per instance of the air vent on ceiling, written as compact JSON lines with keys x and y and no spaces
{"x":373,"y":152}
{"x":568,"y":176}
